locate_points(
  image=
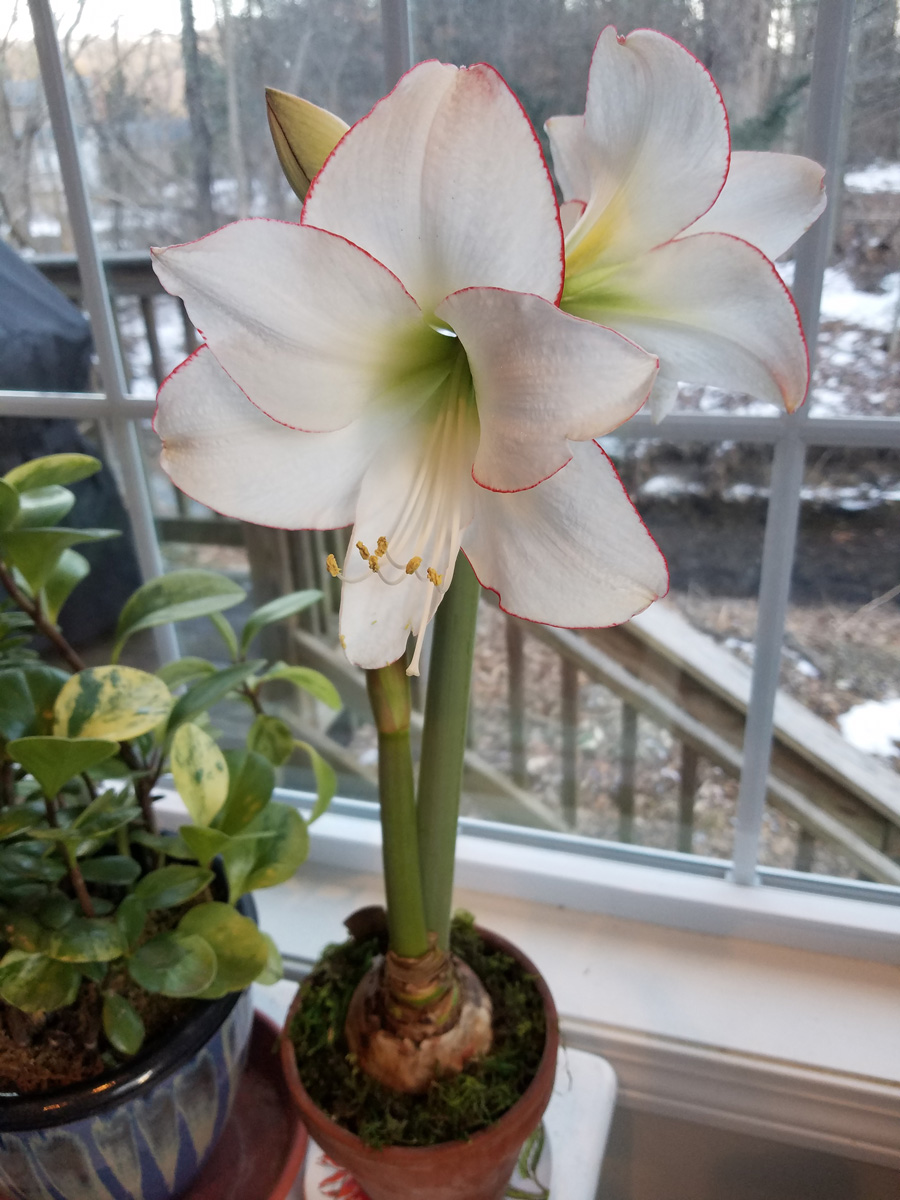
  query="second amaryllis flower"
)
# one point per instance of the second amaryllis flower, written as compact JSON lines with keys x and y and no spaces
{"x":398,"y":361}
{"x":670,"y":235}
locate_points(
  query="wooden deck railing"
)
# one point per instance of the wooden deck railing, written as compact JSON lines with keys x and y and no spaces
{"x":661,"y":670}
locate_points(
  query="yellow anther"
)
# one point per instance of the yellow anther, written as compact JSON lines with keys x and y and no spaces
{"x":374,"y":562}
{"x":433,"y":577}
{"x":363,"y":550}
{"x":413,"y":565}
{"x":333,"y":569}
{"x":382,"y":547}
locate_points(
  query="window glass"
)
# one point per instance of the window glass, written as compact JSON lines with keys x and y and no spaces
{"x":838,"y":729}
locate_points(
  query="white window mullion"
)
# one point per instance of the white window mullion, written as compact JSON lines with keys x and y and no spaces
{"x":119,"y":416}
{"x":830,"y":54}
{"x":396,"y":40}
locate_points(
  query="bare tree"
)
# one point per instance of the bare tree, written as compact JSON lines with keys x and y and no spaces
{"x":201,"y":137}
{"x":20,"y":124}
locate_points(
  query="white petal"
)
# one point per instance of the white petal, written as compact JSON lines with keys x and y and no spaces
{"x":570,"y":214}
{"x":659,"y":147}
{"x":224,"y":452}
{"x":663,"y":398}
{"x":312,"y":329}
{"x":541,"y":378}
{"x":768,"y":200}
{"x":572,"y":157}
{"x":444,"y":182}
{"x":570,"y":552}
{"x":715,"y":311}
{"x":418,"y":494}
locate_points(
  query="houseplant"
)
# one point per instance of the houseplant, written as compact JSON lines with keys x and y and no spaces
{"x":428,"y":355}
{"x":126,"y":954}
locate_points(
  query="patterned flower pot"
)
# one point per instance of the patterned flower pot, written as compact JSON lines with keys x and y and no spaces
{"x":477,"y":1169}
{"x":140,"y":1134}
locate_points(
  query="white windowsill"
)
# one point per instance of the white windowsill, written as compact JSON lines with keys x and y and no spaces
{"x":700,"y":1017}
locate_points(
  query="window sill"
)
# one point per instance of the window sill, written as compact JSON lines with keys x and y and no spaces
{"x":700,"y":999}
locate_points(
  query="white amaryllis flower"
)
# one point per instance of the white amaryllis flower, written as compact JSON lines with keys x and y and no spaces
{"x":398,"y":361}
{"x":670,"y":234}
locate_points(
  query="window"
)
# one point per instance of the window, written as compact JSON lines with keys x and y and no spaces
{"x":741,"y":733}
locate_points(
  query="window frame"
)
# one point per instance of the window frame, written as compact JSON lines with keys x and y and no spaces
{"x":789,"y":434}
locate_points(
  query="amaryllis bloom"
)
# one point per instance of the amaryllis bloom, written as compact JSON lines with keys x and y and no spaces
{"x":398,"y":361}
{"x":670,"y":234}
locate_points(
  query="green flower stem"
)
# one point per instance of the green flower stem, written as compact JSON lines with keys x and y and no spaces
{"x":444,"y":744}
{"x":389,"y":696}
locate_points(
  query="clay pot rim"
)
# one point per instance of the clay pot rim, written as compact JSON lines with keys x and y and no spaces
{"x":168,"y":1053}
{"x":401,"y":1154}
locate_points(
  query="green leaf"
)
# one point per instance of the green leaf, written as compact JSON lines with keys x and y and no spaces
{"x":87,"y":939}
{"x":251,"y":783}
{"x":270,"y":737}
{"x":171,"y":846}
{"x":170,"y":886}
{"x":18,"y":863}
{"x":204,"y":843}
{"x":117,"y":869}
{"x":14,"y":820}
{"x":304,"y":136}
{"x":174,"y":964}
{"x":111,"y":702}
{"x":44,"y":506}
{"x":122,"y":1024}
{"x":277,"y":610}
{"x":207,"y":692}
{"x":313,"y":682}
{"x":273,"y":971}
{"x":27,"y":695}
{"x":200,"y":772}
{"x":226,"y":633}
{"x":35,"y":983}
{"x":241,"y":950}
{"x":53,"y":761}
{"x":94,"y":971}
{"x":35,"y":552}
{"x":184,"y":670}
{"x":24,"y":932}
{"x":326,"y":781}
{"x":277,"y":858}
{"x":178,"y":596}
{"x":52,"y":469}
{"x":131,"y":917}
{"x":56,"y":910}
{"x":9,"y":504}
{"x":64,"y":578}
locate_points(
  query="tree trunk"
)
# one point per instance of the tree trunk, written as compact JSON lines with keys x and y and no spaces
{"x":201,"y":138}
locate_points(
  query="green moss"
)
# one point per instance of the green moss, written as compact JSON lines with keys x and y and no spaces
{"x":453,"y":1108}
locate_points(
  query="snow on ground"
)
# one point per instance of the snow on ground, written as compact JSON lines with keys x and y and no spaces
{"x":842,"y":301}
{"x":876,"y":177}
{"x":873,"y":726}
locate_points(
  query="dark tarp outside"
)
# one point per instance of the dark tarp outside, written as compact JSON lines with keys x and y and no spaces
{"x":45,"y":346}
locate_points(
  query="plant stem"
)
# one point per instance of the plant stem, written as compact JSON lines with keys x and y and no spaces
{"x":32,"y":609}
{"x":444,"y":744}
{"x":389,"y":696}
{"x":78,"y":883}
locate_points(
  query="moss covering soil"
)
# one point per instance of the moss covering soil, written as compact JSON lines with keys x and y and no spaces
{"x":454,"y":1107}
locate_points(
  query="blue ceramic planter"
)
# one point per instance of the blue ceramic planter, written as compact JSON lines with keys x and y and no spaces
{"x":142,"y":1133}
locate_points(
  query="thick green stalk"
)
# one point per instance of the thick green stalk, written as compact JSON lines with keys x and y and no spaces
{"x":444,"y":744}
{"x":389,"y":696}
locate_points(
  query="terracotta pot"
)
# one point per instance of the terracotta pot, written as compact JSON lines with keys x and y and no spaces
{"x":477,"y":1169}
